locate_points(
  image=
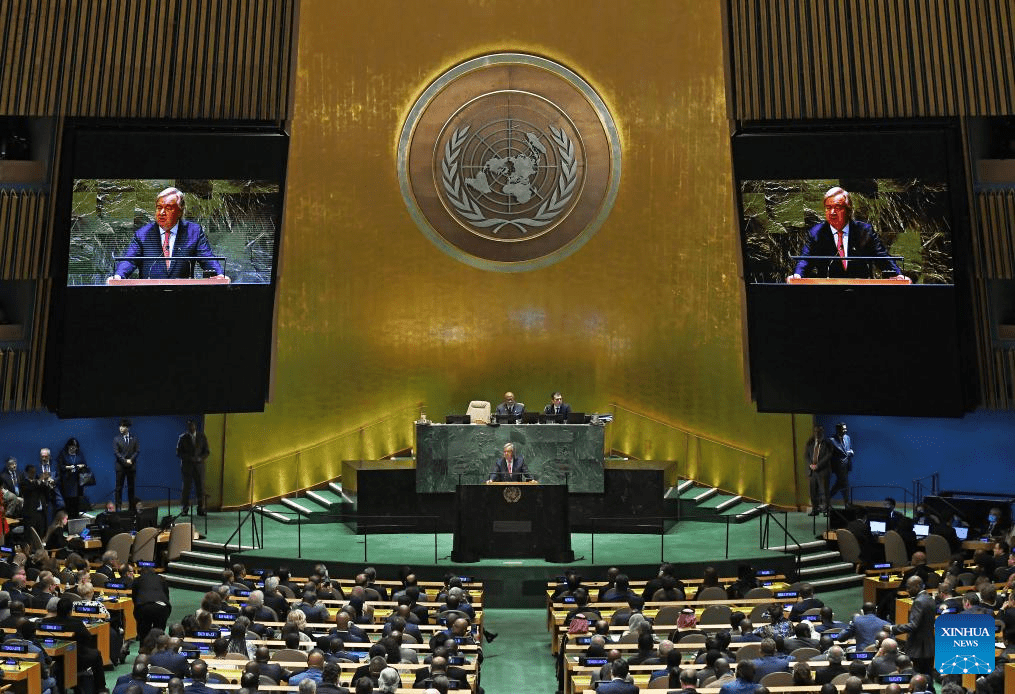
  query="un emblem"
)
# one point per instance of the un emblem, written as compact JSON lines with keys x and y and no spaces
{"x":512,"y":495}
{"x":509,"y":162}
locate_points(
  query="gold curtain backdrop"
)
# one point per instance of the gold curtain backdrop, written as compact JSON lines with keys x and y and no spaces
{"x":372,"y":318}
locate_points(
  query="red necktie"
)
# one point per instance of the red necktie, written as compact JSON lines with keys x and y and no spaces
{"x":167,"y":254}
{"x":842,"y":251}
{"x":509,"y":467}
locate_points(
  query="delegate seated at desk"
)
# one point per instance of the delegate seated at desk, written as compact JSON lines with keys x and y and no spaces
{"x":557,"y":407}
{"x":511,"y":408}
{"x":510,"y":468}
{"x":154,"y":245}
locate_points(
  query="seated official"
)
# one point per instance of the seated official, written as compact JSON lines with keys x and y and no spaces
{"x":511,"y":408}
{"x":557,"y":406}
{"x":510,"y":468}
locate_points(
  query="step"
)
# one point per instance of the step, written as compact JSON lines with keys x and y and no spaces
{"x":752,"y":512}
{"x":684,"y":486}
{"x":182,"y":566}
{"x":820,"y":557}
{"x":188,"y":582}
{"x":203,"y":557}
{"x":825,"y":569}
{"x":724,"y":506}
{"x":836,"y":582}
{"x":210,"y":546}
{"x":672,"y":493}
{"x":705,"y":495}
{"x":305,"y":507}
{"x":810,"y":546}
{"x":715,"y":500}
{"x":326,"y":498}
{"x":277,"y":512}
{"x":336,"y":487}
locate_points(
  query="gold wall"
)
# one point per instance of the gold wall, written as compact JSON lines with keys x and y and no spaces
{"x":373,"y":319}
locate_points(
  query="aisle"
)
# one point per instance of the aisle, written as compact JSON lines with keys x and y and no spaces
{"x":521,"y":650}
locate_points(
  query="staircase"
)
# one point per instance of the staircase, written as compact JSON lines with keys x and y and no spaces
{"x":314,"y":506}
{"x":697,"y":501}
{"x":201,"y":567}
{"x":820,"y":562}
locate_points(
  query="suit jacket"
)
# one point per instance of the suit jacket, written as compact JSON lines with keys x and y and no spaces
{"x":841,"y":459}
{"x":516,"y":410}
{"x":519,"y":471}
{"x":126,"y":449}
{"x":920,"y":627}
{"x":616,"y":686}
{"x":824,"y":456}
{"x":861,"y":240}
{"x":865,"y":628}
{"x":192,"y":450}
{"x":564,"y":410}
{"x":11,"y":481}
{"x":147,"y":243}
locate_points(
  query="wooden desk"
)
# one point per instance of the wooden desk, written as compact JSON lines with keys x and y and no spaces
{"x":26,"y":677}
{"x":66,"y":651}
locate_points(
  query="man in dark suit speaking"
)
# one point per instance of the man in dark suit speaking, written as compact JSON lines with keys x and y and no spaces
{"x":510,"y":468}
{"x":841,"y":235}
{"x":170,"y":236}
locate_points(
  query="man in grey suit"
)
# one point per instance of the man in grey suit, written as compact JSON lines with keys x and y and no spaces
{"x":125,"y":447}
{"x":511,"y":408}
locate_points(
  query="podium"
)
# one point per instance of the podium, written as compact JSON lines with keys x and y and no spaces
{"x":855,"y":281}
{"x":512,"y":519}
{"x":167,"y":282}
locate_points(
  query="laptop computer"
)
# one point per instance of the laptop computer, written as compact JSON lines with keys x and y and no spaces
{"x":76,"y":525}
{"x":962,"y":533}
{"x":921,"y":530}
{"x":878,"y":527}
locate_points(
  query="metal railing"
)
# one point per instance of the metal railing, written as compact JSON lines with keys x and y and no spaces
{"x":365,"y":526}
{"x":651,"y":525}
{"x":764,"y":535}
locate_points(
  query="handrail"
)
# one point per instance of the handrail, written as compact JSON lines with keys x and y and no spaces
{"x":257,"y":536}
{"x":296,"y":475}
{"x":764,"y":526}
{"x":640,"y":522}
{"x":918,"y":492}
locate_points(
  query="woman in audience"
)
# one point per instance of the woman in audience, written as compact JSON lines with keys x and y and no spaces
{"x":298,"y":619}
{"x":388,"y":681}
{"x":56,"y":535}
{"x":70,"y":463}
{"x":238,"y":638}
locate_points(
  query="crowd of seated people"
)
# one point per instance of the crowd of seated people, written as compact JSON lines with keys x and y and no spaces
{"x":806,"y":643}
{"x":361,"y":632}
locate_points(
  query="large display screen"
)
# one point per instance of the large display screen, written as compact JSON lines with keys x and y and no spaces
{"x":899,"y":226}
{"x":146,"y":322}
{"x":230,"y":223}
{"x":854,"y":239}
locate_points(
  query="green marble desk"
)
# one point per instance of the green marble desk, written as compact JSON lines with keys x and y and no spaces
{"x":451,"y":454}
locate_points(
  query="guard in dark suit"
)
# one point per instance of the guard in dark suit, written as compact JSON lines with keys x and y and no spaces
{"x":126,"y":448}
{"x":818,"y":455}
{"x":510,"y":468}
{"x":192,"y":450}
{"x":841,"y":235}
{"x":557,"y":407}
{"x":509,"y":407}
{"x":156,"y":244}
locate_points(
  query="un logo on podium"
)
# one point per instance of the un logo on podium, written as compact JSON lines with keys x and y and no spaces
{"x":509,"y":162}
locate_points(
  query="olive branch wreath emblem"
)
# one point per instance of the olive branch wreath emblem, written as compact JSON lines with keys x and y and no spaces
{"x":546,"y":213}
